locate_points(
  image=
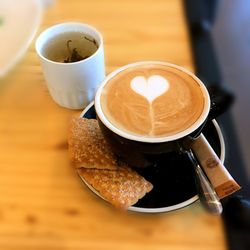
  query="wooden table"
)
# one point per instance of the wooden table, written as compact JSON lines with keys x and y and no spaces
{"x":43,"y":204}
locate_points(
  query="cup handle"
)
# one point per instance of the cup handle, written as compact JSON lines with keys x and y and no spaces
{"x":221,"y":100}
{"x":220,"y":178}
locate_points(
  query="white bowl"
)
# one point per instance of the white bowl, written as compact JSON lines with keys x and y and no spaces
{"x":19,"y":21}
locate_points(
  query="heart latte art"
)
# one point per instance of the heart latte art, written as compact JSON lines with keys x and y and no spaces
{"x":152,"y":100}
{"x":150,"y":88}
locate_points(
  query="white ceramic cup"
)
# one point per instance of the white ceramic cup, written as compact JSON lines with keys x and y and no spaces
{"x":72,"y":85}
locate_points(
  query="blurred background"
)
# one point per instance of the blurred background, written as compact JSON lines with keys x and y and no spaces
{"x":220,"y":43}
{"x":231,"y":38}
{"x":220,"y":39}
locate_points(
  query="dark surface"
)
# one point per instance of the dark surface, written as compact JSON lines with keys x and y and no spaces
{"x":231,"y":38}
{"x":200,"y":16}
{"x":219,"y":35}
{"x":172,"y":175}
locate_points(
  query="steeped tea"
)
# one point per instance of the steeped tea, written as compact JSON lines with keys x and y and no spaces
{"x":70,"y":47}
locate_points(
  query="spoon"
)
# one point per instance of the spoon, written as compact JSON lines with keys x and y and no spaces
{"x":207,"y":195}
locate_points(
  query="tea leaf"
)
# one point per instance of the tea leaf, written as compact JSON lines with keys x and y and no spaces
{"x":93,"y":41}
{"x":74,"y":56}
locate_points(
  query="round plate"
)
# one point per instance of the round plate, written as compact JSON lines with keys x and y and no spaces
{"x":172,"y":175}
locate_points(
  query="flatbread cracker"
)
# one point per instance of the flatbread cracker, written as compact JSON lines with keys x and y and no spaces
{"x":122,"y":187}
{"x":87,"y":147}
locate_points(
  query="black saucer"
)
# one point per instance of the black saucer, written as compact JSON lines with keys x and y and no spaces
{"x":172,"y":175}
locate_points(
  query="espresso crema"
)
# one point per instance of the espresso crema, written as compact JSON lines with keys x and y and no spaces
{"x":152,"y":100}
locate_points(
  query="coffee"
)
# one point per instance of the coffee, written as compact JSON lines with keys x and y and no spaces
{"x":70,"y":47}
{"x":152,"y":100}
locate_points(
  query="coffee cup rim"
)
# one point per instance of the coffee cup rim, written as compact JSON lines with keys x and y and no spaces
{"x":145,"y":139}
{"x":69,"y":26}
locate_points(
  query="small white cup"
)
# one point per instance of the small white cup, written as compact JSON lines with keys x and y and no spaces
{"x":72,"y":85}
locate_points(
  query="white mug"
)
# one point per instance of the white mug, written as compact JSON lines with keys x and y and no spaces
{"x":72,"y":85}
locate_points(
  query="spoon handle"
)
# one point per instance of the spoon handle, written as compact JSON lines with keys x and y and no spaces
{"x":207,"y":195}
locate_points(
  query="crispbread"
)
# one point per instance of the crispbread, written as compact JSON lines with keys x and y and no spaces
{"x":122,"y":187}
{"x":87,"y":147}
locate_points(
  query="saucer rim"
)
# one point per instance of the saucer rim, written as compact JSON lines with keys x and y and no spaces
{"x":168,"y":208}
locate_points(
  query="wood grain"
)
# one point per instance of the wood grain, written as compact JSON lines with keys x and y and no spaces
{"x":43,"y":204}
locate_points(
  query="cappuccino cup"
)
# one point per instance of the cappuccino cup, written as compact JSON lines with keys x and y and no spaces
{"x":148,"y":108}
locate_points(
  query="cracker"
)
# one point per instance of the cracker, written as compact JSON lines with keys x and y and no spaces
{"x":87,"y":147}
{"x":122,"y":187}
